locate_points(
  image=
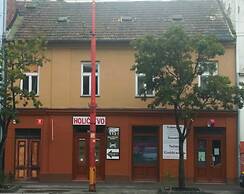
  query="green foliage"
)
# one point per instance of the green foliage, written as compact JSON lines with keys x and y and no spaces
{"x":172,"y":63}
{"x":18,"y":56}
{"x":16,"y":59}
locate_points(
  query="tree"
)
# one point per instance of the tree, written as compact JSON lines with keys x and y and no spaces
{"x":16,"y":58}
{"x":171,"y":64}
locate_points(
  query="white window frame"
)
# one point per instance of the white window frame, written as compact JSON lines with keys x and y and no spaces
{"x":89,"y":75}
{"x":206,"y":73}
{"x":137,"y":75}
{"x":29,"y":75}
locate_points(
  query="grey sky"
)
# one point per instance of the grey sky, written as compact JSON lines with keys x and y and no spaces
{"x":98,"y":0}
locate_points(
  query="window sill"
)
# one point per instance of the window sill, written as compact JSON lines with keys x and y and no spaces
{"x":88,"y":96}
{"x":147,"y":96}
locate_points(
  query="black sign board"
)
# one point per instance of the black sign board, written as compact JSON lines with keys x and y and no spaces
{"x":113,"y":139}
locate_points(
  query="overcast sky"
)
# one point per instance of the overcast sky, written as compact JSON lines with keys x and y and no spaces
{"x":98,"y":0}
{"x":110,"y":0}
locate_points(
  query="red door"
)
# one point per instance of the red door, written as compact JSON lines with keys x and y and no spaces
{"x":81,"y":170}
{"x":27,"y":159}
{"x":210,"y":162}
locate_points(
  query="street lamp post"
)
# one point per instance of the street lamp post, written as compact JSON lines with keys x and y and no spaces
{"x":92,"y":142}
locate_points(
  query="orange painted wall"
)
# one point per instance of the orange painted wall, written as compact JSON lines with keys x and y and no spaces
{"x":56,"y":157}
{"x":60,"y":79}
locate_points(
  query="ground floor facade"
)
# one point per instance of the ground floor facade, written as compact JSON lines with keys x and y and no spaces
{"x":131,"y":145}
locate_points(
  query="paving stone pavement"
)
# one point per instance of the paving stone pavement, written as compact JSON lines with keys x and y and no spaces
{"x":112,"y":188}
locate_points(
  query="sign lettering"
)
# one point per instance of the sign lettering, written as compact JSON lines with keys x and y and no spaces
{"x":113,"y":140}
{"x":77,"y":120}
{"x":171,"y":142}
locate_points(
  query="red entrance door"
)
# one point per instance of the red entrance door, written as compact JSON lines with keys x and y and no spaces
{"x":27,"y":159}
{"x":210,"y":161}
{"x":82,"y":156}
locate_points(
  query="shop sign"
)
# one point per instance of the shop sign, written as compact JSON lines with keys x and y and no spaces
{"x":77,"y":120}
{"x":113,"y":138}
{"x":171,"y":142}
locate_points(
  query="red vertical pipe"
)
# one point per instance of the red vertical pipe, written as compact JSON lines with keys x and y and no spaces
{"x":92,"y":142}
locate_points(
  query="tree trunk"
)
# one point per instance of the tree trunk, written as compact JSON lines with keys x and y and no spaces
{"x":181,"y":170}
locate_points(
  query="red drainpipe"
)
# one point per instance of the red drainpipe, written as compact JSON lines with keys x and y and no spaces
{"x":92,"y":163}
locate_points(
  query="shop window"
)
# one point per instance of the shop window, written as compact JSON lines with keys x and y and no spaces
{"x":141,"y":86}
{"x":145,"y":150}
{"x":30,"y":83}
{"x":86,"y":79}
{"x":203,"y":78}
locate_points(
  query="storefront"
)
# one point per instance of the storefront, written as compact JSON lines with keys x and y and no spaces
{"x":210,"y":154}
{"x":130,"y":146}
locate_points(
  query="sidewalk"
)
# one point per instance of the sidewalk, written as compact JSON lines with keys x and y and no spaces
{"x":118,"y":188}
{"x":221,"y":188}
{"x":82,"y":187}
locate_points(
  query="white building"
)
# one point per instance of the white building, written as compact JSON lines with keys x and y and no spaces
{"x":235,"y":10}
{"x":3,"y":10}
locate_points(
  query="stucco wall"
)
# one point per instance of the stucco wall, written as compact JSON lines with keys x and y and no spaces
{"x":60,"y":79}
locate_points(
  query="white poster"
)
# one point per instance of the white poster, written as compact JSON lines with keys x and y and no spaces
{"x":113,"y":140}
{"x":171,"y":142}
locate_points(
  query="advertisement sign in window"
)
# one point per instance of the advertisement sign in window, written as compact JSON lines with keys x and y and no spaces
{"x":171,"y":142}
{"x":112,"y":152}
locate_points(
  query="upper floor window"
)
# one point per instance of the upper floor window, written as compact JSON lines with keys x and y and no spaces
{"x":203,"y":78}
{"x":141,"y":86}
{"x":86,"y":79}
{"x":30,"y":83}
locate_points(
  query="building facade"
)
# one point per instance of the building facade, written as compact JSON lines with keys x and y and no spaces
{"x":133,"y":142}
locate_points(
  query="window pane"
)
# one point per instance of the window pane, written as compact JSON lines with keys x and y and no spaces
{"x":97,"y":150}
{"x":34,"y":83}
{"x":145,"y":150}
{"x":201,"y":156}
{"x":34,"y":153}
{"x":26,"y":83}
{"x":86,"y":84}
{"x":216,"y":152}
{"x":87,"y":68}
{"x":21,"y":155}
{"x":140,"y":85}
{"x":81,"y":150}
{"x":150,"y":92}
{"x":204,"y":81}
